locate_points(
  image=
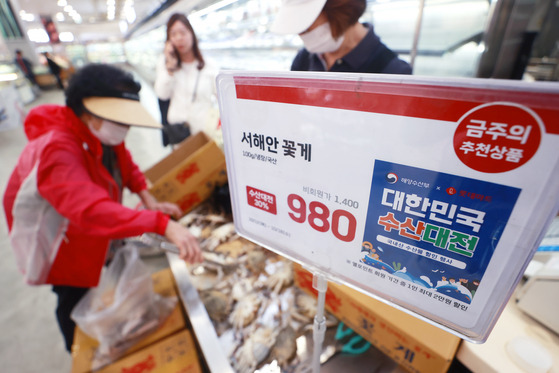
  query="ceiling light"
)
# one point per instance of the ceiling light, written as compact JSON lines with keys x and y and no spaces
{"x":66,"y":36}
{"x":123,"y":25}
{"x":30,"y":17}
{"x":8,"y":77}
{"x":27,"y":17}
{"x":214,"y":7}
{"x":38,"y":35}
{"x":130,"y":15}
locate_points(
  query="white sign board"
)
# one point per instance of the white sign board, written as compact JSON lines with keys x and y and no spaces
{"x":428,"y":194}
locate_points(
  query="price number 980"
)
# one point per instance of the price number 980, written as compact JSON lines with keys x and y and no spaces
{"x":319,"y":217}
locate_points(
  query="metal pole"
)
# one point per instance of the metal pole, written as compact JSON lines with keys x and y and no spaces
{"x":319,"y":327}
{"x":413,"y":53}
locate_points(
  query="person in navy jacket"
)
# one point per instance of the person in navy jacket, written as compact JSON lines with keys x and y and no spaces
{"x":334,"y":39}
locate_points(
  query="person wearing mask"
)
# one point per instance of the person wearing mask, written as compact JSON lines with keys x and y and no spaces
{"x":333,"y":38}
{"x":54,"y":68}
{"x":63,"y":199}
{"x":185,"y":78}
{"x":26,"y":67}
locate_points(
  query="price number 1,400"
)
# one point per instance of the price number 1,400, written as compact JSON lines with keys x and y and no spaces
{"x":343,"y":223}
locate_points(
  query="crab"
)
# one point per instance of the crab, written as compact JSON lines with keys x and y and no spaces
{"x":245,"y":311}
{"x":282,"y":277}
{"x":305,"y":308}
{"x":255,"y":349}
{"x":241,"y":288}
{"x":235,"y":248}
{"x":255,"y":261}
{"x":285,"y":346}
{"x":219,"y":235}
{"x":306,"y":303}
{"x":305,"y":311}
{"x":217,"y":304}
{"x":203,"y":215}
{"x":218,"y":259}
{"x":206,"y":276}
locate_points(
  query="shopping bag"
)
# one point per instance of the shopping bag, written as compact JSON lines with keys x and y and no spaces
{"x":123,"y":308}
{"x":176,"y":133}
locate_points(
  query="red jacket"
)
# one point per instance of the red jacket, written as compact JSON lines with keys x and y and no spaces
{"x":72,"y":179}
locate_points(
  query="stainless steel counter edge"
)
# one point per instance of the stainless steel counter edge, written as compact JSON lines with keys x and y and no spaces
{"x":201,"y":323}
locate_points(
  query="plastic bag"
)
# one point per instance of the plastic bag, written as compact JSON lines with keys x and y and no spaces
{"x":123,"y":308}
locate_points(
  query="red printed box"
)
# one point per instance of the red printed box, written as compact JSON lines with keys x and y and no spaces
{"x":415,"y":345}
{"x":189,"y":174}
{"x":261,"y":200}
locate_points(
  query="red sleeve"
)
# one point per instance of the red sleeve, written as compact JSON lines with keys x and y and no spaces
{"x":64,"y":181}
{"x":134,"y":179}
{"x":10,"y":196}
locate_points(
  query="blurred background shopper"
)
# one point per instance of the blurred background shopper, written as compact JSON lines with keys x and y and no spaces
{"x":54,"y":68}
{"x":334,"y":39}
{"x":185,"y":82}
{"x":63,"y":199}
{"x":26,"y":67}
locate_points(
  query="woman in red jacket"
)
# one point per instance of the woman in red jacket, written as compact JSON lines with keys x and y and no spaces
{"x":63,"y":199}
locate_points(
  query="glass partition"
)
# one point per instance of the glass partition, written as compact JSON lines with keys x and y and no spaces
{"x":236,"y":35}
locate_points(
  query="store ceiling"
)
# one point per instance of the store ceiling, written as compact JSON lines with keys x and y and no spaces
{"x":91,"y":20}
{"x":91,"y":11}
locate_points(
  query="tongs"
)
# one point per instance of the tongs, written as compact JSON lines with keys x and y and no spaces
{"x":156,"y":240}
{"x":160,"y":242}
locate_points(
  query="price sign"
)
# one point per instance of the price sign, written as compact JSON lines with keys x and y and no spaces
{"x":428,"y":194}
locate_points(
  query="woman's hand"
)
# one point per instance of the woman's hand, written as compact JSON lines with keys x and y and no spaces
{"x":171,"y":58}
{"x":151,"y":203}
{"x":168,"y":208}
{"x":189,"y":250}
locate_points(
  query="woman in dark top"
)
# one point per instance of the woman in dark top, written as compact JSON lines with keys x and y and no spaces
{"x":334,"y":39}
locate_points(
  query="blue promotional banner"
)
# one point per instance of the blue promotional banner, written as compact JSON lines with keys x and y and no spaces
{"x":436,"y":230}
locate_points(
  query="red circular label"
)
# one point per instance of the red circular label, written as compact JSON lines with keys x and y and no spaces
{"x":497,"y":137}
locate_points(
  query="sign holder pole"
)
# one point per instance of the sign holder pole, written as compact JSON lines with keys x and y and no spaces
{"x":319,"y":327}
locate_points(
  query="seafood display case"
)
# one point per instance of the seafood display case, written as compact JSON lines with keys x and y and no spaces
{"x":246,"y":312}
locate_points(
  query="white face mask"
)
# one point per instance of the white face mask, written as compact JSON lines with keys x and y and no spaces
{"x":110,"y":133}
{"x":320,"y":40}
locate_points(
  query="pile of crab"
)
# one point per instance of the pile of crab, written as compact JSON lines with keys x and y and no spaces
{"x":258,"y":313}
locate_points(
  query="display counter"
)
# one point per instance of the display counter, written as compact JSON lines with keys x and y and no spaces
{"x":395,"y":330}
{"x":11,"y":105}
{"x":491,"y":356}
{"x":11,"y":77}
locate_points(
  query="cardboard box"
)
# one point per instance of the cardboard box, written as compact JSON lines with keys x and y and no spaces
{"x":174,"y":354}
{"x":189,"y":174}
{"x":414,"y":344}
{"x":84,"y":347}
{"x":164,"y":283}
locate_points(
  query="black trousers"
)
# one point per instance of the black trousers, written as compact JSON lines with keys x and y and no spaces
{"x":68,"y":297}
